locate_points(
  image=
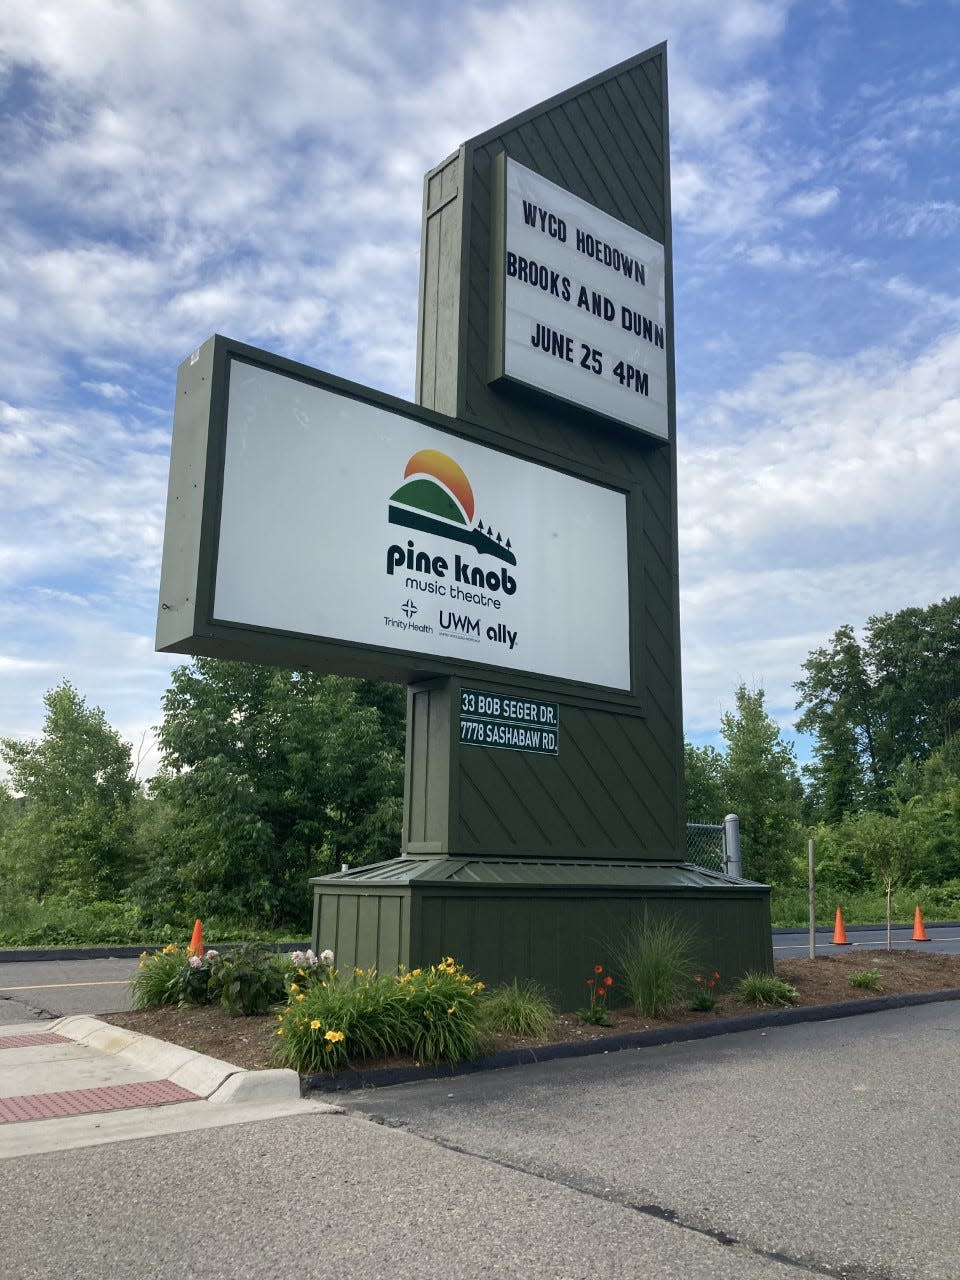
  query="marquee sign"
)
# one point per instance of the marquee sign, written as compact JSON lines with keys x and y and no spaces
{"x":579,"y":305}
{"x":336,"y":518}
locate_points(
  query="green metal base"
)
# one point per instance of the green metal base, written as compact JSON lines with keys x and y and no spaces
{"x":550,"y":920}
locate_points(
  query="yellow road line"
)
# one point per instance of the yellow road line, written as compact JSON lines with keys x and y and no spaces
{"x":50,"y":986}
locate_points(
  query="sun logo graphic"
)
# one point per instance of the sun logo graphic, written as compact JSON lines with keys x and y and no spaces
{"x":436,"y":497}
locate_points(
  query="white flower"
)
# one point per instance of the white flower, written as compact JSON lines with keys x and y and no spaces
{"x":297,"y":957}
{"x":194,"y":962}
{"x":311,"y":957}
{"x":212,"y":953}
{"x":326,"y":957}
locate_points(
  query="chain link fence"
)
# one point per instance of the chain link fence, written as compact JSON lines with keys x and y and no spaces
{"x":715,"y":845}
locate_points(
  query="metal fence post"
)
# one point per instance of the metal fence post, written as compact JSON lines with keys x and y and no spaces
{"x":811,"y":889}
{"x":731,"y":846}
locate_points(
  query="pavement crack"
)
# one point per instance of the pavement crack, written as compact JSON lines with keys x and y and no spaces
{"x":662,"y":1213}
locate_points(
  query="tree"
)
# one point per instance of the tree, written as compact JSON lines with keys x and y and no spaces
{"x":928,"y":806}
{"x":840,"y":712}
{"x":883,"y":841}
{"x":269,"y":777}
{"x":762,"y":787}
{"x":875,"y":703}
{"x":77,"y":790}
{"x":706,"y":793}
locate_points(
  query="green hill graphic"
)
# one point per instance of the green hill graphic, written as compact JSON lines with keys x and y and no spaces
{"x":427,"y":495}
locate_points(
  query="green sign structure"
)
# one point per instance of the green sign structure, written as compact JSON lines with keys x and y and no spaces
{"x":508,"y":721}
{"x":507,"y":547}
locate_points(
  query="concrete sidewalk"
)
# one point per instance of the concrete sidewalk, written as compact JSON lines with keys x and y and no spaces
{"x":77,"y":1081}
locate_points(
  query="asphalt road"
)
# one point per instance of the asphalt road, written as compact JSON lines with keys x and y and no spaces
{"x":826,"y":1149}
{"x":943,"y":937}
{"x":52,"y":988}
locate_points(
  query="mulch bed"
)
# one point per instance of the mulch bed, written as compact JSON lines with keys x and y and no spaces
{"x":247,"y":1042}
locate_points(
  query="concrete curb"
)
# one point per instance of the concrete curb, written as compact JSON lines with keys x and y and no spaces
{"x":384,"y":1077}
{"x":208,"y":1078}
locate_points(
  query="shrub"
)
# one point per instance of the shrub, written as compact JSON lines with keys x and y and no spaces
{"x":65,"y":921}
{"x":765,"y":988}
{"x":519,"y":1009}
{"x":247,"y":980}
{"x":338,"y":1019}
{"x":434,"y":1014}
{"x":157,"y":981}
{"x":868,"y":979}
{"x":654,"y":958}
{"x":444,"y":1007}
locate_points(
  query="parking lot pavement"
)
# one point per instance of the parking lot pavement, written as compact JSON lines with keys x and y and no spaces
{"x":830,"y":1143}
{"x":333,"y":1196}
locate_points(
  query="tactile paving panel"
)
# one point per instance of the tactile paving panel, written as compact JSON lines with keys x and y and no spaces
{"x":32,"y":1038}
{"x":78,"y":1102}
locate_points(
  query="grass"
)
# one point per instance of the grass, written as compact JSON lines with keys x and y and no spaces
{"x":654,"y":960}
{"x":519,"y":1009}
{"x":866,"y":979}
{"x":65,"y":922}
{"x":765,"y":989}
{"x":789,"y":906}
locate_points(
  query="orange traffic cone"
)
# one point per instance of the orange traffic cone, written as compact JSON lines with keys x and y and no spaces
{"x":839,"y":932}
{"x":196,"y":942}
{"x":919,"y":932}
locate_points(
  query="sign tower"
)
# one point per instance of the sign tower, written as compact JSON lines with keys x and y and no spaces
{"x":507,"y":547}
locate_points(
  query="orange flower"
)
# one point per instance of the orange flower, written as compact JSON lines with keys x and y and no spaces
{"x":608,"y":981}
{"x":590,"y":982}
{"x":716,"y":976}
{"x":598,"y":968}
{"x":698,"y":977}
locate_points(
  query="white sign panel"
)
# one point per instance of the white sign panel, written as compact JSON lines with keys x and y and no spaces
{"x":350,"y":522}
{"x":585,"y":313}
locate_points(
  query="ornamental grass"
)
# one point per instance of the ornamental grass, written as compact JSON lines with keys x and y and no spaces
{"x":655,"y":957}
{"x":519,"y":1009}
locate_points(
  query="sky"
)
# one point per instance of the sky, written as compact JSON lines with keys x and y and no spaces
{"x":255,"y":168}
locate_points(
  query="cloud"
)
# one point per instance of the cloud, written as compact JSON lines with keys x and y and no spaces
{"x":798,"y":493}
{"x":259,"y":172}
{"x":810,"y":204}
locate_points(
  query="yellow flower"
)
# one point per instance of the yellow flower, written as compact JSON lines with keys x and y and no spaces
{"x":279,"y":1031}
{"x":452,"y":1009}
{"x":301,"y":996}
{"x":334,"y":1037}
{"x":294,"y":987}
{"x":315,"y":1025}
{"x":169,"y":949}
